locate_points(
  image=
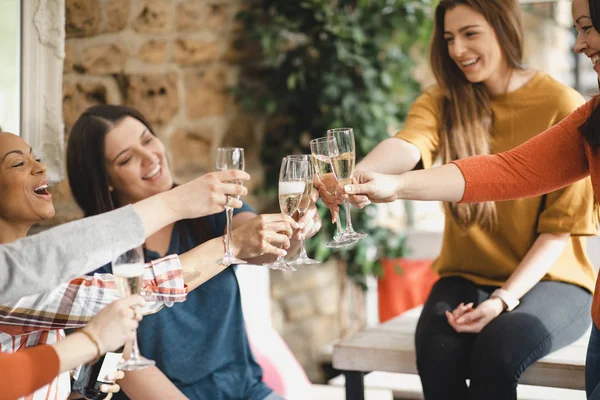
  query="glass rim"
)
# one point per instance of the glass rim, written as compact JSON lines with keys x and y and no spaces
{"x":321,"y":139}
{"x":298,"y":156}
{"x":230,"y":148}
{"x":294,"y":160}
{"x":339,"y":129}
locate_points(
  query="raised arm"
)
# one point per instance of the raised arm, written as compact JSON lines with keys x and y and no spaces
{"x":42,"y":262}
{"x":392,"y":156}
{"x":27,"y":370}
{"x":550,"y":161}
{"x":73,"y":304}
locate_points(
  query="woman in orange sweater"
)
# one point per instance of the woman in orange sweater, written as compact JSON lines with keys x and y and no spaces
{"x":560,"y":156}
{"x":26,"y":371}
{"x":485,"y":101}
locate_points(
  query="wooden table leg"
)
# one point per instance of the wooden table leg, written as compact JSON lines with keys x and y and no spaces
{"x":355,"y":385}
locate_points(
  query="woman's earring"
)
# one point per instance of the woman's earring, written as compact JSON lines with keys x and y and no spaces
{"x":110,"y":188}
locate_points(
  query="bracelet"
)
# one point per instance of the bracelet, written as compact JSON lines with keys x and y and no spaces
{"x":95,"y":341}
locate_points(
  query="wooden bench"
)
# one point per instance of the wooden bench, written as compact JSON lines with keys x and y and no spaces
{"x":325,"y":392}
{"x":390,"y":347}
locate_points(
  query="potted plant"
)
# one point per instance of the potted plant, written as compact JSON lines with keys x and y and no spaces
{"x":333,"y":63}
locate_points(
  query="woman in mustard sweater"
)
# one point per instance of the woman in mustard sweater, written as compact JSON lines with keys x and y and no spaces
{"x":493,"y":254}
{"x":562,"y":155}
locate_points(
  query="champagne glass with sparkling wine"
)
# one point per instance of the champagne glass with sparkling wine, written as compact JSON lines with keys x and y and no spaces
{"x":303,"y":258}
{"x":319,"y":149}
{"x":292,"y":181}
{"x":128,"y":270}
{"x":230,"y":158}
{"x":343,"y":155}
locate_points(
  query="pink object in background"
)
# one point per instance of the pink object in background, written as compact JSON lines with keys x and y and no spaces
{"x":281,"y":370}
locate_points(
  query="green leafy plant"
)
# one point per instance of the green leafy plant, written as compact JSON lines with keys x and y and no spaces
{"x":325,"y":64}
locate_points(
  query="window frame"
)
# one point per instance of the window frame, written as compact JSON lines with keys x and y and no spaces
{"x":42,"y":57}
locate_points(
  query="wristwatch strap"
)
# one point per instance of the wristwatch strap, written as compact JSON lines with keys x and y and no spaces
{"x":507,"y":298}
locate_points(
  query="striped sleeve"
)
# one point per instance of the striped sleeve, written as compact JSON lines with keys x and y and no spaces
{"x":73,"y":304}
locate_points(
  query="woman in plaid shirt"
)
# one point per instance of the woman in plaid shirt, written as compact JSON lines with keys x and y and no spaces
{"x":41,"y":318}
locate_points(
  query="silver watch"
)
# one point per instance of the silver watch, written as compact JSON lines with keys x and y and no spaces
{"x":507,"y":298}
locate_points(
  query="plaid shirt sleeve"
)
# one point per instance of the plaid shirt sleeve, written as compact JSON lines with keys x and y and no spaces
{"x":73,"y":304}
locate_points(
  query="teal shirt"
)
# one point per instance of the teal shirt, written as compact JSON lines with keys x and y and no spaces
{"x":201,"y":344}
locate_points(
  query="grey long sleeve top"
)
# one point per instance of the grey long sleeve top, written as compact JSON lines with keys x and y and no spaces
{"x":43,"y":261}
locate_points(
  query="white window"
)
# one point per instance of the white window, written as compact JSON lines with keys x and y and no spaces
{"x":32,"y":41}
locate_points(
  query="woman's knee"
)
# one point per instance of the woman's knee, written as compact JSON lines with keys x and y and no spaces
{"x":495,"y":366}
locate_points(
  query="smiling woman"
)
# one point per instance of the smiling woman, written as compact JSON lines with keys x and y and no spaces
{"x":493,"y":254}
{"x":22,"y":188}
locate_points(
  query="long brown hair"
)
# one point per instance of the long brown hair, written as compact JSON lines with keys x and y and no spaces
{"x":467,"y":118}
{"x":86,"y":170}
{"x":590,"y":127}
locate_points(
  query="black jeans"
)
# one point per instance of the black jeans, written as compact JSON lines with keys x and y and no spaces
{"x":551,"y":315}
{"x":592,"y":366}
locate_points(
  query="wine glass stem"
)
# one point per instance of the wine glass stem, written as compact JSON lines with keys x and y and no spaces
{"x":338,"y":223}
{"x":229,"y":214}
{"x":135,"y":350}
{"x":302,"y":254}
{"x":302,"y":249}
{"x":349,"y":227}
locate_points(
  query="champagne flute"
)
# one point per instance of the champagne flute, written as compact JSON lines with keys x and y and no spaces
{"x":303,"y":258}
{"x":292,"y":181}
{"x":230,"y":158}
{"x":343,"y":155}
{"x":319,"y":149}
{"x":128,"y":270}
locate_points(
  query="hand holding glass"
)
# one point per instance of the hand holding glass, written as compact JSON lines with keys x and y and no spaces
{"x":342,"y":153}
{"x":305,"y":202}
{"x":128,"y":270}
{"x":292,"y":182}
{"x":230,"y":158}
{"x":320,"y":150}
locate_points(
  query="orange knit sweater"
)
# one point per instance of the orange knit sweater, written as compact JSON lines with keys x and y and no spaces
{"x":26,"y":371}
{"x":550,"y":161}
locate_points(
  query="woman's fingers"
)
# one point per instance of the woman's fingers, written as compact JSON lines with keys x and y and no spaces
{"x":279,"y":227}
{"x":277,"y":239}
{"x":114,"y":388}
{"x":231,"y":189}
{"x":359,"y":201}
{"x":461,"y":309}
{"x":270,"y":249}
{"x":470,"y":317}
{"x":119,"y":375}
{"x":231,"y":175}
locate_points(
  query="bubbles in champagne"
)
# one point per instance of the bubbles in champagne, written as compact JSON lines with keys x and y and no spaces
{"x":305,"y":200}
{"x":128,"y":270}
{"x":128,"y":278}
{"x":321,"y":164}
{"x":343,"y":167}
{"x":290,"y":194}
{"x":291,"y":187}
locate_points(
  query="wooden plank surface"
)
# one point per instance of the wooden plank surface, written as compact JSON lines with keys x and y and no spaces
{"x":390,"y":347}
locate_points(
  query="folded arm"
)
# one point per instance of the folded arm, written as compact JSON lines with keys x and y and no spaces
{"x":73,"y":304}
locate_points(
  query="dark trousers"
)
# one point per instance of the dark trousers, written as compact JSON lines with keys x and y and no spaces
{"x":592,"y":366}
{"x":551,"y":315}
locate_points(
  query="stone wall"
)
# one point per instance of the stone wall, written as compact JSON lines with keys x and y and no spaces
{"x":175,"y":61}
